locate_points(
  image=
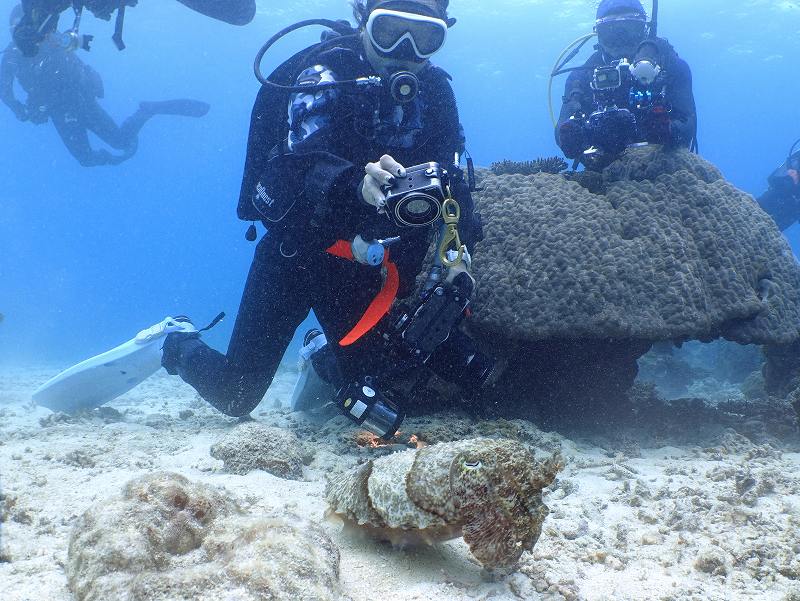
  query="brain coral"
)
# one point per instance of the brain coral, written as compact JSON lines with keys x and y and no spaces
{"x":665,"y":249}
{"x":488,"y":491}
{"x":253,"y":446}
{"x":168,"y":539}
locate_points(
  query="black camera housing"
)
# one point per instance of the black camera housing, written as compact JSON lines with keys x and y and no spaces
{"x":416,"y":199}
{"x":428,"y":334}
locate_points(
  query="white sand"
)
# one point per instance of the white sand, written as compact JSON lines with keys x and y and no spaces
{"x":629,"y":517}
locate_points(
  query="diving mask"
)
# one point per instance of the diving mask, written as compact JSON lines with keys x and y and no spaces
{"x":621,"y":35}
{"x":388,"y":29}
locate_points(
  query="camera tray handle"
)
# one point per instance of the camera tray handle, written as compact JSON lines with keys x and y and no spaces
{"x":450,"y":239}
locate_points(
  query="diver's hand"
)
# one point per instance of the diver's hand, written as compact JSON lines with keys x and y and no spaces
{"x":572,"y":138}
{"x":379,"y":176}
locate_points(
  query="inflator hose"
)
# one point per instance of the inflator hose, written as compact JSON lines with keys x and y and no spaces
{"x":344,"y":31}
{"x":557,"y":70}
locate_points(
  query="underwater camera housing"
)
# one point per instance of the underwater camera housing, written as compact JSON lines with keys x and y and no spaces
{"x":610,"y":77}
{"x":425,"y":334}
{"x":428,"y":334}
{"x":416,"y":199}
{"x":71,"y":40}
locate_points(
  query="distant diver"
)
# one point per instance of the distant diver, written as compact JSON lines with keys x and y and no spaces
{"x":63,"y":89}
{"x":40,"y":18}
{"x":782,"y":198}
{"x":633,"y":89}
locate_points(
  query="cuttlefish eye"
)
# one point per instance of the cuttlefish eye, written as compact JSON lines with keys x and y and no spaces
{"x":473,"y":465}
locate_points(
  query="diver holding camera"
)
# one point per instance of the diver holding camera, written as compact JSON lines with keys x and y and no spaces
{"x":348,"y":234}
{"x":421,"y":334}
{"x":633,"y":89}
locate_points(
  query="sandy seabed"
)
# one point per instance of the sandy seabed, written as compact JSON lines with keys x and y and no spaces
{"x":692,"y":508}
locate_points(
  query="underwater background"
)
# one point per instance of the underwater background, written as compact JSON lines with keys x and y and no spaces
{"x":88,"y":256}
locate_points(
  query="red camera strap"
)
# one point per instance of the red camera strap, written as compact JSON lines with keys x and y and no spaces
{"x":380,"y":305}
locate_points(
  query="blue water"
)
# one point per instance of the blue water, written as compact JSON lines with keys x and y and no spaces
{"x":89,"y":256}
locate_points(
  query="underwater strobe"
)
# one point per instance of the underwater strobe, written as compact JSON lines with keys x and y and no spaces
{"x":366,"y":406}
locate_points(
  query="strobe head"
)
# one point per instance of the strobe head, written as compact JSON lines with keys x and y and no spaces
{"x":367,"y":407}
{"x":645,"y":72}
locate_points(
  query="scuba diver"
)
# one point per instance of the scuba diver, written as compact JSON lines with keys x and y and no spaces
{"x":40,"y":18}
{"x":63,"y":89}
{"x":365,"y":168}
{"x":782,"y":199}
{"x":633,"y":89}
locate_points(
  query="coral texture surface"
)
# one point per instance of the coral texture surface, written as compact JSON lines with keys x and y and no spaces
{"x":253,"y":446}
{"x":664,"y":249}
{"x":169,"y":539}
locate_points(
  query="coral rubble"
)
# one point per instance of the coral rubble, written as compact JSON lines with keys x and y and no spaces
{"x":541,"y":165}
{"x":166,"y":538}
{"x":254,"y":446}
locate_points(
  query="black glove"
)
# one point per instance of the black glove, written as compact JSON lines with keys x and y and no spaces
{"x":572,"y":138}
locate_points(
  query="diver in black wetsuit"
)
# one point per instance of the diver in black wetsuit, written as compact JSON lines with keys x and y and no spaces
{"x":40,"y":17}
{"x":63,"y":89}
{"x":634,"y":88}
{"x":782,"y":199}
{"x":306,"y":181}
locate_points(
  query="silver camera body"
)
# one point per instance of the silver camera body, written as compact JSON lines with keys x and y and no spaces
{"x":416,"y":199}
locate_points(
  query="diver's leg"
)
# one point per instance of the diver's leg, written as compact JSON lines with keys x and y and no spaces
{"x":343,"y":291}
{"x":182,"y":107}
{"x":125,"y":137}
{"x":73,"y":133}
{"x":274,"y":303}
{"x":102,"y":124}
